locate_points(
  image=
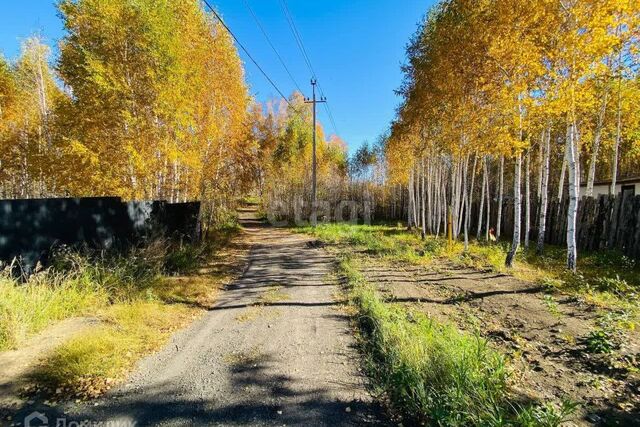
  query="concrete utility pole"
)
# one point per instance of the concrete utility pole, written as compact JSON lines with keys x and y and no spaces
{"x":314,"y":195}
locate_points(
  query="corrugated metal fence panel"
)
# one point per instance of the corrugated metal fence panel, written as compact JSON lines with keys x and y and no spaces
{"x":31,"y":228}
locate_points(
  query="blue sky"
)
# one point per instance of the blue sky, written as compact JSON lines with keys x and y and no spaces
{"x":356,"y":48}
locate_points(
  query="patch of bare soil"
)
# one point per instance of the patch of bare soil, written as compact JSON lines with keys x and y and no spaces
{"x":544,"y":335}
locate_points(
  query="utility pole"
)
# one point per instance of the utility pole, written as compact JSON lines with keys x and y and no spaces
{"x":314,"y":195}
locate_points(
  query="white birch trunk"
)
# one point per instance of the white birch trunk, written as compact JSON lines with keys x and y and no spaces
{"x":423,"y":197}
{"x":596,"y":146}
{"x":616,"y":144}
{"x":542,"y":223}
{"x":411,"y":211}
{"x":465,"y":203}
{"x":462,"y":188}
{"x":481,"y":208}
{"x":540,"y":168}
{"x":563,"y":172}
{"x":438,"y":200}
{"x":500,"y":198}
{"x":527,"y":199}
{"x":488,"y":190}
{"x":516,"y":210}
{"x":574,"y":189}
{"x":430,"y":197}
{"x":444,"y":208}
{"x":470,"y":198}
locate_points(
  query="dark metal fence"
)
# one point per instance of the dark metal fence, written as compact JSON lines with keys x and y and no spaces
{"x":29,"y":229}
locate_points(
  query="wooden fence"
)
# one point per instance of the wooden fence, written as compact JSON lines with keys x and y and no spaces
{"x":603,"y":223}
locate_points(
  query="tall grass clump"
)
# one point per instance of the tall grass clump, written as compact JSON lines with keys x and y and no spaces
{"x":47,"y":296}
{"x":432,"y":373}
{"x":77,"y":283}
{"x":123,"y":276}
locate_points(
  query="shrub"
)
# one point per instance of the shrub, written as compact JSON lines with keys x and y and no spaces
{"x":183,"y":258}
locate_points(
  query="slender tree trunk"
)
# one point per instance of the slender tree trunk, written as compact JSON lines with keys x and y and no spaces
{"x":517,"y":198}
{"x":439,"y":208}
{"x":470,"y":198}
{"x":527,"y":199}
{"x":436,"y":199}
{"x":455,"y":196}
{"x":596,"y":146}
{"x":543,"y":193}
{"x":412,"y":203}
{"x":541,"y":169}
{"x":516,"y":209}
{"x":465,"y":203}
{"x":444,"y":208}
{"x":416,"y":188}
{"x":486,"y":234}
{"x":481,"y":208}
{"x":616,"y":144}
{"x":430,"y":197}
{"x":574,"y":189}
{"x":563,"y":172}
{"x":462,"y":189}
{"x":423,"y":196}
{"x":500,"y":198}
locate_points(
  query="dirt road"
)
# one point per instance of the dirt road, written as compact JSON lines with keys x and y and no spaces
{"x":276,"y":349}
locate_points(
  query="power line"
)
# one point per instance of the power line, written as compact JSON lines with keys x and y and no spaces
{"x":246,"y":3}
{"x":247,"y":53}
{"x":326,"y":107}
{"x":305,"y":56}
{"x":297,"y":37}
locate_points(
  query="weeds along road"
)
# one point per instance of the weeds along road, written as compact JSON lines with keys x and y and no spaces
{"x":276,"y":349}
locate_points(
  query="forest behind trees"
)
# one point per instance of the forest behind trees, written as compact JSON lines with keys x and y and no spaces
{"x":515,"y":100}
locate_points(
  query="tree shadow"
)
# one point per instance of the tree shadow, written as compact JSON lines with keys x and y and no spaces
{"x":254,"y":395}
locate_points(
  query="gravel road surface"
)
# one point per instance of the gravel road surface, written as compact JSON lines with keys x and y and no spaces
{"x":276,"y":349}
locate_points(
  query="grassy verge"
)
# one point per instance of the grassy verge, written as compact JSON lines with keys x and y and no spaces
{"x":139,"y":299}
{"x":434,"y":374}
{"x":605,"y":278}
{"x":91,"y":363}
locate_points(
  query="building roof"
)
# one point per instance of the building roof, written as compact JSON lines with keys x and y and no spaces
{"x":630,"y":180}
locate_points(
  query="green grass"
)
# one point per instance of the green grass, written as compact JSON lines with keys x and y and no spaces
{"x":434,"y":374}
{"x":79,"y":284}
{"x":140,"y":298}
{"x":89,"y":364}
{"x":605,"y":278}
{"x":47,"y":297}
{"x":380,"y":240}
{"x":75,"y":285}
